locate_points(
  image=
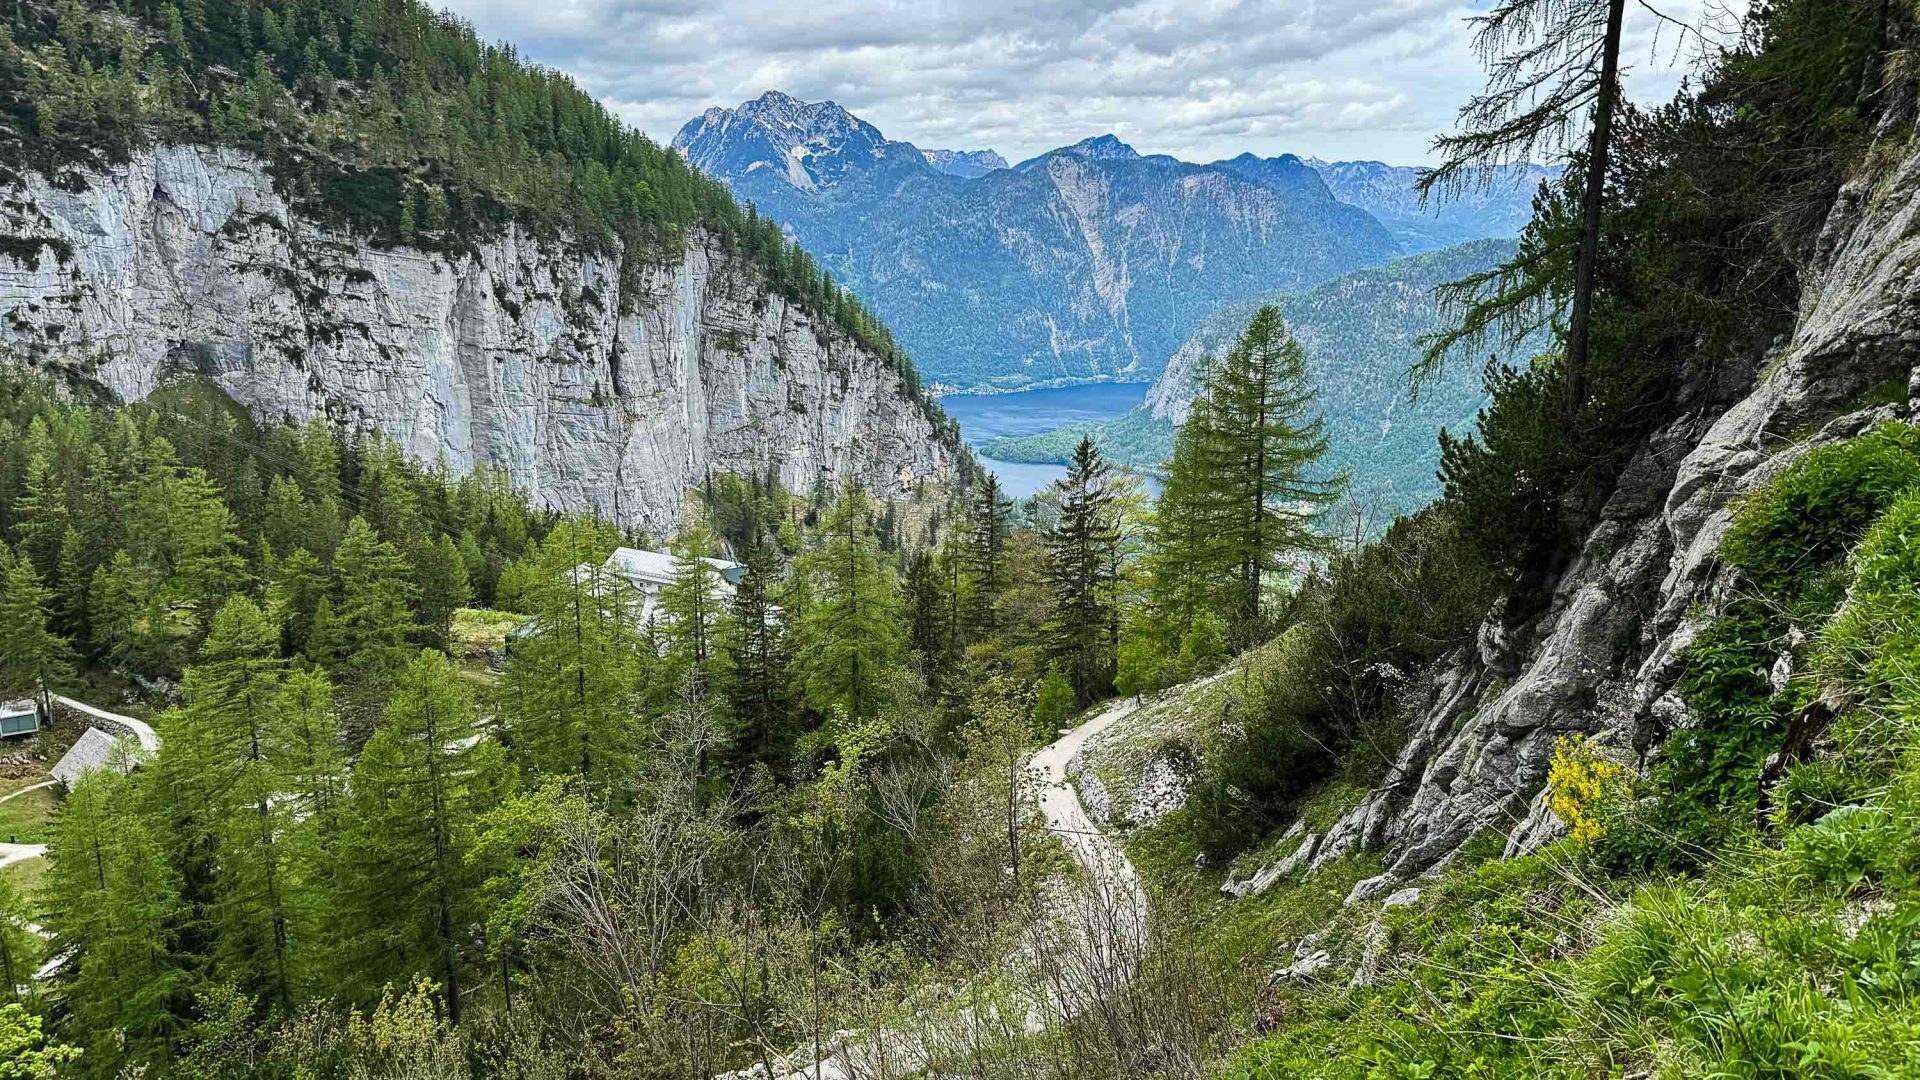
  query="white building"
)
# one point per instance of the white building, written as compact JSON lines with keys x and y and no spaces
{"x":650,"y":571}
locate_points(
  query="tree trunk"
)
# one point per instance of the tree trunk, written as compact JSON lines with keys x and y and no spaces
{"x":1588,"y":257}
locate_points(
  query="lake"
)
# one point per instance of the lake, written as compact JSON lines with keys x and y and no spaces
{"x":984,"y":417}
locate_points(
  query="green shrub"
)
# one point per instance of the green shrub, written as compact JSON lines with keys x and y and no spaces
{"x":1813,"y":512}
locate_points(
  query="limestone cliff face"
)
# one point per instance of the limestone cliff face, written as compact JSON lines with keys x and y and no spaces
{"x":1604,"y":658}
{"x":522,"y":355}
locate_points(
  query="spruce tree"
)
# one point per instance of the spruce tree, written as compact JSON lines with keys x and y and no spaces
{"x":759,"y":667}
{"x":1079,"y":573}
{"x":983,"y":557}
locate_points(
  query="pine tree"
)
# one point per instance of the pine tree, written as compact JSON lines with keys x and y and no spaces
{"x":1079,"y":573}
{"x":417,"y":791}
{"x":848,"y":630}
{"x":1258,"y":446}
{"x":31,"y":654}
{"x":19,"y":948}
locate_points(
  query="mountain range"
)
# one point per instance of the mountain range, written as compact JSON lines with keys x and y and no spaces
{"x":1088,"y":262}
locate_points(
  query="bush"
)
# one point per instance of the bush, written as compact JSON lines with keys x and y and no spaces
{"x":1813,"y":512}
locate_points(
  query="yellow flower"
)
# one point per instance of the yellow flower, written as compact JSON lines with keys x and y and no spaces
{"x":1580,"y":783}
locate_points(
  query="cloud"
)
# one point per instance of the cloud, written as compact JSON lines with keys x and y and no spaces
{"x":1201,"y":79}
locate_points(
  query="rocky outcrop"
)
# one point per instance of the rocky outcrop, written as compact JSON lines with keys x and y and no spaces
{"x":1603,"y":659}
{"x":590,"y":386}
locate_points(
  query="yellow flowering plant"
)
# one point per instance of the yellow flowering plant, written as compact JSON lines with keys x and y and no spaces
{"x":1580,"y":784}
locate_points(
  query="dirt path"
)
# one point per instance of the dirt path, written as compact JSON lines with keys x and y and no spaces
{"x":1099,"y":928}
{"x":139,"y":729}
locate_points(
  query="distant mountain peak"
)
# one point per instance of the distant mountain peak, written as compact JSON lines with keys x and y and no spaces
{"x":1102,"y":148}
{"x":811,"y":144}
{"x":1106,"y":147}
{"x":965,"y":163}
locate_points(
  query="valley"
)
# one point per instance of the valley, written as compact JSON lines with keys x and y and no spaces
{"x":985,"y":419}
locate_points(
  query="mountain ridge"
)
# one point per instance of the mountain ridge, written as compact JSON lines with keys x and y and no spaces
{"x":1090,"y":262}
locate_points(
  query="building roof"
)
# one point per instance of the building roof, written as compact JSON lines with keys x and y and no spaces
{"x":95,"y":749}
{"x":18,"y":707}
{"x":657,"y":567}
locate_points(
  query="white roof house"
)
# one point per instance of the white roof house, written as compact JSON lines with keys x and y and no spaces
{"x":647,"y":572}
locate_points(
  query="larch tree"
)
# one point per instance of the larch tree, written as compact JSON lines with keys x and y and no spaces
{"x":848,"y":634}
{"x":693,"y":613}
{"x":417,"y":791}
{"x":370,"y":615}
{"x":1259,"y":447}
{"x":572,"y":694}
{"x":31,"y":654}
{"x":1553,"y":85}
{"x":113,"y":896}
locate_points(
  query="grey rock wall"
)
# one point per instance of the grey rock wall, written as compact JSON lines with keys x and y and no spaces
{"x":523,"y":355}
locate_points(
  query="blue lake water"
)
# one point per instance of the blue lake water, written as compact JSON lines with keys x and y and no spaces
{"x":984,"y":417}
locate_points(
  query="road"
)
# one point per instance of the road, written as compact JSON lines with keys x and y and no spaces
{"x":1092,"y":944}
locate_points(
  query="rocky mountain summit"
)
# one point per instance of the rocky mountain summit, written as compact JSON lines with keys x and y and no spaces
{"x":966,"y":164}
{"x":1088,"y":262}
{"x":537,"y":356}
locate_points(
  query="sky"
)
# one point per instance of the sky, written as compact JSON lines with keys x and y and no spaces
{"x":1199,"y":79}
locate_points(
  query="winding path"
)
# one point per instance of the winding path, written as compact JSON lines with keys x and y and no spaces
{"x":139,"y":729}
{"x":1095,"y":939}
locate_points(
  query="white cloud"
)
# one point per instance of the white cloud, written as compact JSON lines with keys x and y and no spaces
{"x":1197,"y":78}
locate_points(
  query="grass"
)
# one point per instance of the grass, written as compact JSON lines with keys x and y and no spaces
{"x":25,"y":819}
{"x":477,"y":630}
{"x":26,"y":878}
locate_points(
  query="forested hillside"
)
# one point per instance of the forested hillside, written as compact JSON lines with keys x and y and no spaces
{"x":381,"y":115}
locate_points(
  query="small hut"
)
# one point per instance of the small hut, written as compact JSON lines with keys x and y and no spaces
{"x":95,"y":749}
{"x":19,"y":717}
